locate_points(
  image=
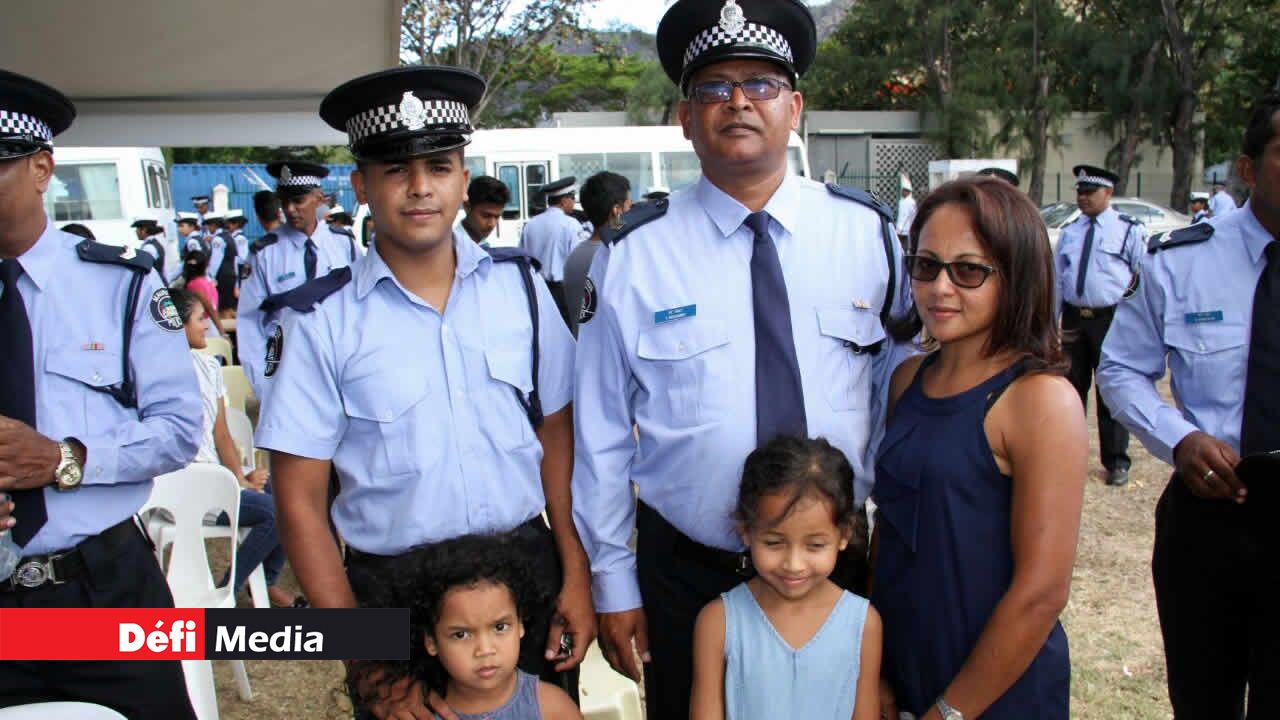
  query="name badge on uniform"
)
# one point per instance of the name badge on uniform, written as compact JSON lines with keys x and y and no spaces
{"x":679,"y":313}
{"x":1196,"y":318}
{"x":285,"y":276}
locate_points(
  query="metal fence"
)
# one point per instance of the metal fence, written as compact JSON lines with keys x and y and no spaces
{"x":242,"y":181}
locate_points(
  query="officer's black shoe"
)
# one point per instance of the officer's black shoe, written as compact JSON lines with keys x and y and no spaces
{"x":1118,"y":477}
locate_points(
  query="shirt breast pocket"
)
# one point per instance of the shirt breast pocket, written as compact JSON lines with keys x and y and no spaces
{"x":683,"y":369}
{"x":388,"y":424}
{"x":1213,"y":355}
{"x":81,"y":378}
{"x":510,"y":372}
{"x":851,"y":338}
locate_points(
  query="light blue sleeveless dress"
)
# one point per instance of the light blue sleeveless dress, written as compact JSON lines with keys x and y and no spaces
{"x":523,"y":705}
{"x":765,"y":678}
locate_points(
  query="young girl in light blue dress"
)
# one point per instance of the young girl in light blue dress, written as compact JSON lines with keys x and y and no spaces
{"x":789,"y":643}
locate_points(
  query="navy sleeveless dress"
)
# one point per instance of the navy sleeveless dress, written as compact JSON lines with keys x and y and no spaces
{"x":945,"y":557}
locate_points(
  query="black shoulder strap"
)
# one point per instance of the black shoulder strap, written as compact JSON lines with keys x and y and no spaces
{"x":1190,"y":235}
{"x":350,"y":236}
{"x":889,"y":237}
{"x":265,"y":241}
{"x":306,"y":296}
{"x":125,"y":392}
{"x":639,"y":215}
{"x":533,"y":403}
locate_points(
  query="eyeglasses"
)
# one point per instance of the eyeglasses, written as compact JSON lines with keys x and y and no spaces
{"x":965,"y":274}
{"x":718,"y":91}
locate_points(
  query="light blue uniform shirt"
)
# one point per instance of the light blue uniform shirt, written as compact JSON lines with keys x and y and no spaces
{"x":242,"y":249}
{"x":275,"y":269}
{"x":1117,"y":252}
{"x":194,"y":242}
{"x":671,"y":350}
{"x":418,"y":409}
{"x":1193,"y":310}
{"x":217,"y":252}
{"x":1221,"y":204}
{"x":550,"y":237}
{"x":75,"y":309}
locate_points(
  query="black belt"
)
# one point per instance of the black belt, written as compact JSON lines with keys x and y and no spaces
{"x":37,"y":571}
{"x":535,"y":524}
{"x":738,"y":563}
{"x":1100,"y":312}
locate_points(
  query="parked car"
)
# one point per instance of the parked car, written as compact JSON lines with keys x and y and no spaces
{"x":1157,"y":218}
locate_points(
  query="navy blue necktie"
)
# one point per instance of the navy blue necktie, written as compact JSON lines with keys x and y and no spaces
{"x":779,"y":393}
{"x":1085,"y":252}
{"x":309,"y":260}
{"x":18,"y":390}
{"x":1260,"y":426}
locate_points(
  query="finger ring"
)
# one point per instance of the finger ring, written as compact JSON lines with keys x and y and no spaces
{"x":1209,"y":476}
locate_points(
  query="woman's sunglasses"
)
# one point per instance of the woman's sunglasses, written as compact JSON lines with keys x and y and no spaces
{"x":965,"y":274}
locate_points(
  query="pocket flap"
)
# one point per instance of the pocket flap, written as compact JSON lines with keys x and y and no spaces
{"x":371,"y":398}
{"x":860,"y":327}
{"x":95,"y":368}
{"x":513,"y":367}
{"x":681,"y":339}
{"x":1204,"y":338}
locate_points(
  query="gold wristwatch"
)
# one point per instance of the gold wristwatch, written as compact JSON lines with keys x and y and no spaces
{"x":68,"y":474}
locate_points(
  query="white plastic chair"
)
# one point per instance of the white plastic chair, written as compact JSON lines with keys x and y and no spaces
{"x":188,"y":495}
{"x":603,"y":693}
{"x":238,"y":389}
{"x":218,"y":347}
{"x":69,"y":710}
{"x":242,"y":432}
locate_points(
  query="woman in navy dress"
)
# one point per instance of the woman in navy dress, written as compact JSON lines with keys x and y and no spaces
{"x":980,"y":476}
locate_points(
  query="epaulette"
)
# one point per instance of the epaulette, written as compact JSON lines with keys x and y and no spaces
{"x":509,"y":254}
{"x":342,"y":231}
{"x":306,"y":296}
{"x":861,"y":197}
{"x":265,"y":241}
{"x":96,"y":252}
{"x":1190,"y":235}
{"x":1129,"y":219}
{"x":639,"y":215}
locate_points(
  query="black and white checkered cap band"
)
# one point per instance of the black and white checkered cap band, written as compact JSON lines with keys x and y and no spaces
{"x":300,"y":181}
{"x":1086,"y":179}
{"x":387,"y":118}
{"x":16,"y":123}
{"x":751,"y":34}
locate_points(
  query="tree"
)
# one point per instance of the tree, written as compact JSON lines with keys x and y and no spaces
{"x":494,"y":38}
{"x":652,"y":97}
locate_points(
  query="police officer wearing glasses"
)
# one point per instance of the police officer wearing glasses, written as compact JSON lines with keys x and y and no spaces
{"x":97,"y":397}
{"x":747,"y":306}
{"x":1098,"y":258}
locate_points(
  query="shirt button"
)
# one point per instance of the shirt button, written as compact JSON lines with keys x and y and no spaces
{"x":97,"y":376}
{"x":680,"y":347}
{"x":98,"y":473}
{"x":459,"y":394}
{"x":1201,"y":346}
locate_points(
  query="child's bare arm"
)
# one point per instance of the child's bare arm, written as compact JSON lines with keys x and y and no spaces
{"x":556,"y":704}
{"x":866,"y":704}
{"x":707,"y":699}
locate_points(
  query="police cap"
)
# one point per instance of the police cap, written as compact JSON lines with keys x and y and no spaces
{"x":296,"y":177}
{"x":564,"y":186}
{"x":1092,"y":177}
{"x":697,"y":33}
{"x":144,"y":223}
{"x":405,"y":112}
{"x":31,"y":114}
{"x":1003,"y":174}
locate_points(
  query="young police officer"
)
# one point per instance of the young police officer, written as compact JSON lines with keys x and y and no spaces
{"x":84,"y":425}
{"x":421,"y":374}
{"x":1209,"y":307}
{"x":747,"y":306}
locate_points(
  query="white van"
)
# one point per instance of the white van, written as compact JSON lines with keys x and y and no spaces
{"x":526,"y":159}
{"x":107,"y":188}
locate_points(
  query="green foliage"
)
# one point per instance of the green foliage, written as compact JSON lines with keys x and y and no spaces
{"x":1252,"y":68}
{"x":553,"y":82}
{"x":653,"y":97}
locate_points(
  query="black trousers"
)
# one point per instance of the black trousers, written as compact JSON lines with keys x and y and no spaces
{"x":557,"y":293}
{"x":675,"y":584}
{"x":123,"y":577}
{"x":1213,"y":565}
{"x":364,"y":570}
{"x":1084,"y":348}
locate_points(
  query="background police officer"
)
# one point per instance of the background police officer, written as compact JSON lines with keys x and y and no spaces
{"x":150,"y":236}
{"x":1210,"y":303}
{"x":83,"y":427}
{"x":422,"y":375}
{"x":553,"y":234}
{"x":1221,"y":204}
{"x":1098,"y":258}
{"x":301,"y":249}
{"x":746,"y":306}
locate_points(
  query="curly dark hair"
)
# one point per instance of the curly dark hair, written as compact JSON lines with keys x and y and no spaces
{"x":420,"y":579}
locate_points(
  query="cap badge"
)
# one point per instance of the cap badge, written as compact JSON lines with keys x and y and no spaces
{"x":732,"y":20}
{"x":285,"y":174}
{"x":412,"y":112}
{"x":128,"y":253}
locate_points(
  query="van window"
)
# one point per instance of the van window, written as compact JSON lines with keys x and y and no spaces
{"x":84,"y":192}
{"x":795,"y":163}
{"x":510,"y":176}
{"x":680,"y":169}
{"x":157,"y":182}
{"x":475,"y":165}
{"x":635,"y":167}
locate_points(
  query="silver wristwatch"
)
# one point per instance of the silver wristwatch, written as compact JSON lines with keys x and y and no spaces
{"x":68,"y":474}
{"x":946,"y":711}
